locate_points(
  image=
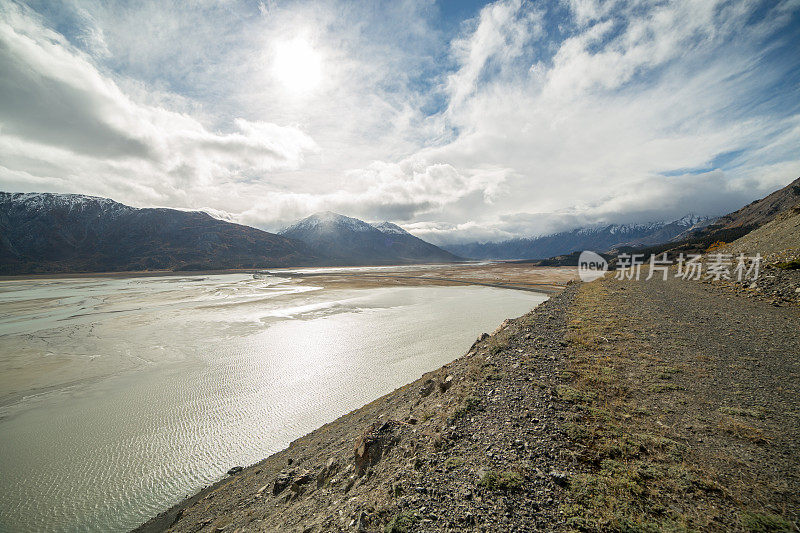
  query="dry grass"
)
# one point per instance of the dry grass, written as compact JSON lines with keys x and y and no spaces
{"x":635,"y":475}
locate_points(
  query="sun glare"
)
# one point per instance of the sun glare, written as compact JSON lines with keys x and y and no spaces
{"x":297,"y":65}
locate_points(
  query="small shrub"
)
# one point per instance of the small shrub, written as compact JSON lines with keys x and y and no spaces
{"x":574,"y":395}
{"x":401,"y":523}
{"x":470,"y":404}
{"x":506,"y":480}
{"x":789,"y":265}
{"x":453,"y":462}
{"x":740,"y":411}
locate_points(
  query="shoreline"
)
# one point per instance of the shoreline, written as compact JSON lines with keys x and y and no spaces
{"x":403,"y":399}
{"x":158,"y":273}
{"x":608,"y":406}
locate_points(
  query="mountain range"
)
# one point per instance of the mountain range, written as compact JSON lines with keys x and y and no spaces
{"x":44,"y":232}
{"x":47,"y":232}
{"x":600,"y":238}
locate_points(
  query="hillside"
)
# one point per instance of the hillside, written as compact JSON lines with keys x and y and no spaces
{"x":779,"y":206}
{"x":742,"y":221}
{"x":44,"y":232}
{"x":611,"y":407}
{"x":778,"y":237}
{"x":352,"y":241}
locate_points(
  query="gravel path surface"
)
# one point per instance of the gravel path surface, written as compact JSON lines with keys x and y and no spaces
{"x":685,"y":409}
{"x":743,"y":361}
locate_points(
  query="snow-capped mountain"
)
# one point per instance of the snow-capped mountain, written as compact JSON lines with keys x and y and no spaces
{"x":43,"y":202}
{"x":598,"y":238}
{"x":45,"y":232}
{"x":353,"y":241}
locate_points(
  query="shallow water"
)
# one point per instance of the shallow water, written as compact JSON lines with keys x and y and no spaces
{"x":121,"y":396}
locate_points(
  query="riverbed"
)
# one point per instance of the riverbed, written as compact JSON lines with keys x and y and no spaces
{"x":120,"y":396}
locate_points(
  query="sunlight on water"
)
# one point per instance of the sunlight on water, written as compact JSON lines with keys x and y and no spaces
{"x":121,"y":396}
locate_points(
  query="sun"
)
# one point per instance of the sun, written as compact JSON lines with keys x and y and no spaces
{"x":297,"y":66}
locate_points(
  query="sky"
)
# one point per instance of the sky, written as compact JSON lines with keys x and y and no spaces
{"x":459,"y":120}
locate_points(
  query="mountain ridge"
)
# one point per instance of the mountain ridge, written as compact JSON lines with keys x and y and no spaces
{"x":50,"y":232}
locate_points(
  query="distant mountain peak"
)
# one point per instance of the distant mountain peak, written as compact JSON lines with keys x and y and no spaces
{"x":354,"y":241}
{"x":50,"y":199}
{"x":602,"y":236}
{"x":49,"y":232}
{"x":328,"y":220}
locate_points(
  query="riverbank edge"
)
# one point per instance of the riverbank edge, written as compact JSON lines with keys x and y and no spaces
{"x":559,"y":302}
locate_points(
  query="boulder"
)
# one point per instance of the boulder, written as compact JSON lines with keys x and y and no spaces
{"x":283,"y":480}
{"x":330,"y":468}
{"x":303,"y":479}
{"x":427,"y":387}
{"x":374,"y":442}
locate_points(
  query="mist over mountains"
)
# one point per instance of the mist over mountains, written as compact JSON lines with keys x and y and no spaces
{"x":600,"y":238}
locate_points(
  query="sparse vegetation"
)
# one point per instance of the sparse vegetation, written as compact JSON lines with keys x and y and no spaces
{"x":766,"y":523}
{"x":453,"y":462}
{"x":507,"y":480}
{"x":789,"y":265}
{"x":742,"y":430}
{"x":664,"y":387}
{"x":470,"y":403}
{"x":740,"y":411}
{"x":401,"y":523}
{"x":632,"y":469}
{"x":498,"y":343}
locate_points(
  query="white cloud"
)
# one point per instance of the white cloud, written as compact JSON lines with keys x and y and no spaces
{"x":519,"y":123}
{"x":61,"y":113}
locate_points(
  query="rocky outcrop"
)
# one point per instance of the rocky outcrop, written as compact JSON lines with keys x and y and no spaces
{"x":375,"y":442}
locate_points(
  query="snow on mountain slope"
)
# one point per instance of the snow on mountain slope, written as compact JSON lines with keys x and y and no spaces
{"x":598,"y":238}
{"x":390,"y":228}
